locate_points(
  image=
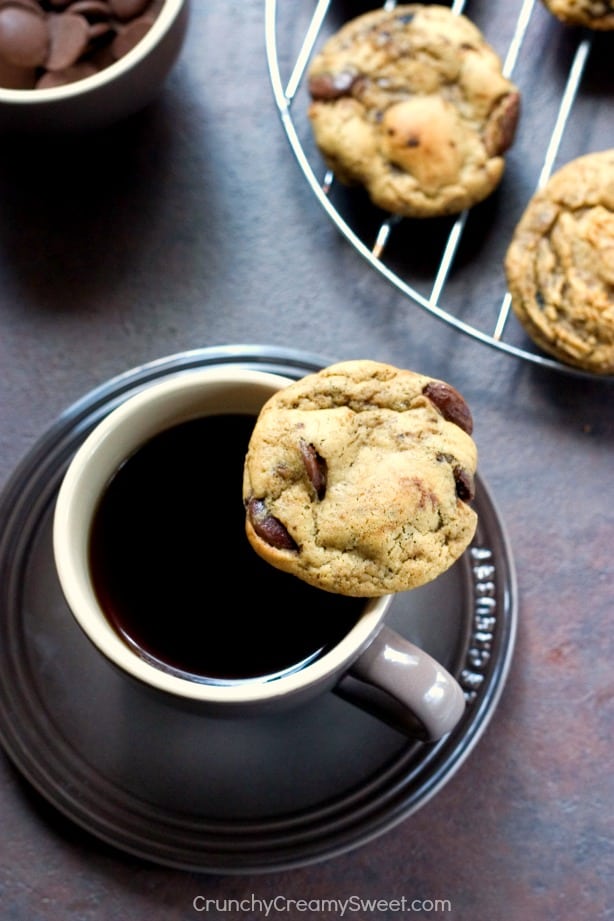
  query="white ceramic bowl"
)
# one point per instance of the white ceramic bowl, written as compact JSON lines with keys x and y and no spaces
{"x":109,"y":95}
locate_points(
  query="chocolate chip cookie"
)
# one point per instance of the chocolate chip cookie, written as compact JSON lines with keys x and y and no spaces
{"x":359,"y":478}
{"x":593,"y":14}
{"x":560,"y":264}
{"x":411,"y":103}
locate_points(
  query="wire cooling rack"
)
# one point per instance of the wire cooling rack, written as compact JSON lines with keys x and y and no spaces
{"x":374,"y":237}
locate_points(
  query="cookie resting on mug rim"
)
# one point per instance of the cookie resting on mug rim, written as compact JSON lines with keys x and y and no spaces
{"x":358,"y":479}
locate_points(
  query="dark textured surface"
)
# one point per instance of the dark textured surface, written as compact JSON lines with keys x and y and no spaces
{"x":191,"y":226}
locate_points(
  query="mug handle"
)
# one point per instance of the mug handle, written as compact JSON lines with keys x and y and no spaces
{"x":404,"y":686}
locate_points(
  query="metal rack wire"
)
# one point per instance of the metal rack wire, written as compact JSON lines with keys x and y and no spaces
{"x":373,"y":251}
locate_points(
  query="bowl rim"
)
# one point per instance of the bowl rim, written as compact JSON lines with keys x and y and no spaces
{"x":163,"y":22}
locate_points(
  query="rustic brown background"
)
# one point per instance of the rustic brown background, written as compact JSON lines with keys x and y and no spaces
{"x":190,"y":226}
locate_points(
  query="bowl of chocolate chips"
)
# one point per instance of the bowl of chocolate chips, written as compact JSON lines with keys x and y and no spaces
{"x":73,"y":65}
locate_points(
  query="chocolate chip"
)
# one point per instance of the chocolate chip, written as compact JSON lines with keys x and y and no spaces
{"x":331,"y":86}
{"x":502,"y":123}
{"x":68,"y":40}
{"x":28,"y":4}
{"x":128,"y":9}
{"x":71,"y":74}
{"x":316,"y":468}
{"x":91,"y":9}
{"x":269,"y":528}
{"x":16,"y":78}
{"x":129,"y":37}
{"x":24,"y":39}
{"x":450,"y":404}
{"x":465,"y":486}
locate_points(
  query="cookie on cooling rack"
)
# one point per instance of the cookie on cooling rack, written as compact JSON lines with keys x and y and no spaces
{"x":411,"y":103}
{"x":560,"y":264}
{"x":358,"y":479}
{"x":592,"y":14}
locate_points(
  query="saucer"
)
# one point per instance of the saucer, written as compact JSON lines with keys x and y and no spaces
{"x":225,"y":795}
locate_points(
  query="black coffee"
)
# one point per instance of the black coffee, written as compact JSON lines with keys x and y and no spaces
{"x":176,"y":576}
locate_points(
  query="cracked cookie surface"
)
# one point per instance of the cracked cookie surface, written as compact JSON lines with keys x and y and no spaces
{"x":593,"y":14}
{"x":411,"y":103}
{"x":358,"y":479}
{"x":560,"y":264}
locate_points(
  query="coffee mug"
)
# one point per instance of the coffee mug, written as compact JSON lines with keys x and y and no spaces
{"x":151,"y":554}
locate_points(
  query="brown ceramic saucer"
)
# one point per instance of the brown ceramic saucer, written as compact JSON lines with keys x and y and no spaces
{"x":225,"y":796}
